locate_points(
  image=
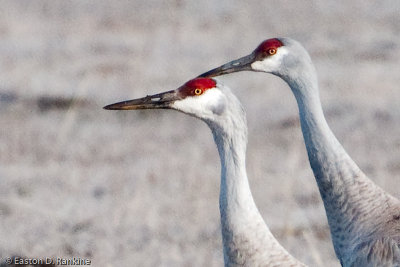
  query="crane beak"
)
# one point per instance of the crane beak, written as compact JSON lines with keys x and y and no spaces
{"x":240,"y":64}
{"x":157,"y":101}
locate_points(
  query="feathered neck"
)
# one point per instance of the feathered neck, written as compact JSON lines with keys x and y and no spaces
{"x":343,"y":186}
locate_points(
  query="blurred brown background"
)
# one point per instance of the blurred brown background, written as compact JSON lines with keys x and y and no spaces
{"x":141,"y":188}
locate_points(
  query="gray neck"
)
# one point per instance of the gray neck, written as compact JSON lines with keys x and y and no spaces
{"x":235,"y":194}
{"x":236,"y":200}
{"x":244,"y":233}
{"x":334,"y":170}
{"x":349,"y":197}
{"x":246,"y":238}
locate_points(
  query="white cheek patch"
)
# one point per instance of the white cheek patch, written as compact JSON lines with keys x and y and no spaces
{"x":211,"y":102}
{"x":271,"y":63}
{"x":219,"y":108}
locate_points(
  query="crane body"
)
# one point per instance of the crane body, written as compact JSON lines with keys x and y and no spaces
{"x":364,"y":220}
{"x":247,"y":240}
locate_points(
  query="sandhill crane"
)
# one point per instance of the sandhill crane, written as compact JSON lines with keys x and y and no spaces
{"x":246,"y":238}
{"x":364,"y":220}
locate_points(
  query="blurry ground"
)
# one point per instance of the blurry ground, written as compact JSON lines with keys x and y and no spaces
{"x":141,"y":188}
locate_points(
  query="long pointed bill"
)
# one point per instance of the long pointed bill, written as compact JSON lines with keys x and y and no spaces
{"x":157,"y":101}
{"x":240,"y":64}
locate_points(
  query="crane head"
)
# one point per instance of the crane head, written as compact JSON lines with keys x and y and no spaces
{"x":200,"y":97}
{"x":276,"y":56}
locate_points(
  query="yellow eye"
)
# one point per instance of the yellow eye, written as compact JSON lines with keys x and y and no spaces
{"x":198,"y":91}
{"x":272,"y":51}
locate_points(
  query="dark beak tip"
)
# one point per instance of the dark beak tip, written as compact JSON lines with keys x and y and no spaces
{"x":108,"y":107}
{"x":115,"y":106}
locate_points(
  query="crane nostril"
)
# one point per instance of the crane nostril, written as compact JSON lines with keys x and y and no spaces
{"x":156,"y":99}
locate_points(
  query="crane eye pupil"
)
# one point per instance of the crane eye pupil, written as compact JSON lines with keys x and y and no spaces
{"x":272,"y":51}
{"x":198,"y":91}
